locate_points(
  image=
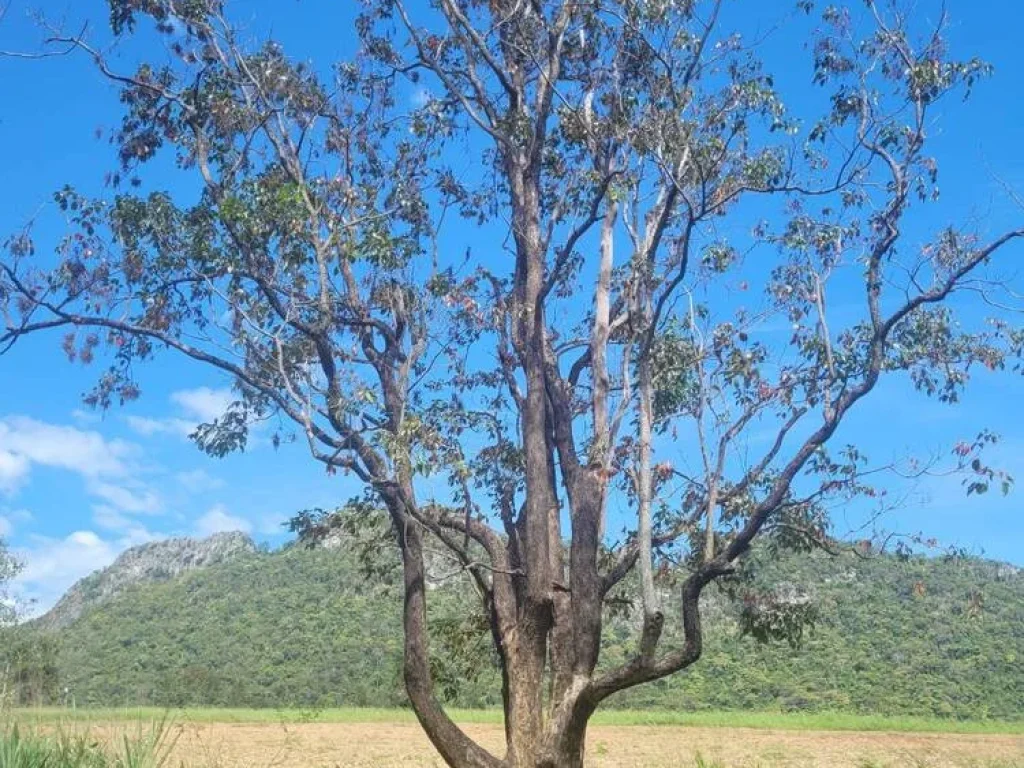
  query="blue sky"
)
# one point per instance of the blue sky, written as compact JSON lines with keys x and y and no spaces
{"x":77,"y":487}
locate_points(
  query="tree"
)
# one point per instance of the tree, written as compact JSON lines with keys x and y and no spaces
{"x":9,"y":568}
{"x":639,"y":202}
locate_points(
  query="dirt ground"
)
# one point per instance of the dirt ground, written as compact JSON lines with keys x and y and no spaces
{"x":379,"y":745}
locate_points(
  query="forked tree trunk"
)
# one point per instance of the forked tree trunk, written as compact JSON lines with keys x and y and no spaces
{"x":534,"y":738}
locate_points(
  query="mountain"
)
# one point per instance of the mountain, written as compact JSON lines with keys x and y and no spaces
{"x":303,"y":627}
{"x":146,"y":564}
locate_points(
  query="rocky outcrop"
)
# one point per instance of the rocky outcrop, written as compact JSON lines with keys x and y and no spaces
{"x":145,"y":564}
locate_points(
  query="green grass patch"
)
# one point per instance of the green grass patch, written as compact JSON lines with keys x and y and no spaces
{"x":807,"y":721}
{"x":794,"y":721}
{"x":138,"y":745}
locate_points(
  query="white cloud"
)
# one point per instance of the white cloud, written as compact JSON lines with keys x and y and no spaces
{"x":85,"y":452}
{"x":203,"y":403}
{"x":148,"y":427}
{"x":13,"y":471}
{"x":109,"y":467}
{"x":198,"y":480}
{"x":86,"y":418}
{"x":10,"y":517}
{"x":129,"y":531}
{"x":219,"y":520}
{"x":110,"y":519}
{"x":16,"y":515}
{"x":142,"y":501}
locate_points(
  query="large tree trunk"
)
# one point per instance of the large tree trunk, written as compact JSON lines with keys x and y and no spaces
{"x":560,"y":743}
{"x":524,"y":712}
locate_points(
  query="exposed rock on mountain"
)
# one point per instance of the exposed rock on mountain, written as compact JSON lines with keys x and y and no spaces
{"x":145,"y":564}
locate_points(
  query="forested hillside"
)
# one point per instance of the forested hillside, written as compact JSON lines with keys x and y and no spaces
{"x":304,"y":628}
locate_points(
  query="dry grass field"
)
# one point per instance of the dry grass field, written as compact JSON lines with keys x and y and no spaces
{"x":384,"y":745}
{"x":370,"y":738}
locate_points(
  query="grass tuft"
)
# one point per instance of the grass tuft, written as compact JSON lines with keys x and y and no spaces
{"x":146,"y":746}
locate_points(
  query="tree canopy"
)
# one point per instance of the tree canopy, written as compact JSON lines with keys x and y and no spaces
{"x":642,"y":202}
